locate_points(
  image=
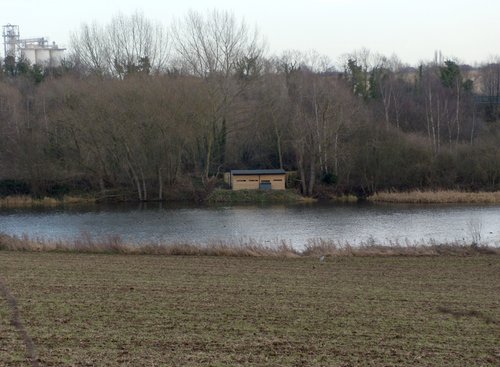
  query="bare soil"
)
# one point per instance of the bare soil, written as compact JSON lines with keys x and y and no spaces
{"x":114,"y":310}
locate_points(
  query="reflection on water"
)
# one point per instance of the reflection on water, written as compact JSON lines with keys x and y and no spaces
{"x":355,"y":223}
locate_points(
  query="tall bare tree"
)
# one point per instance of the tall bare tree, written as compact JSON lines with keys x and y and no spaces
{"x":126,"y":45}
{"x":224,"y":52}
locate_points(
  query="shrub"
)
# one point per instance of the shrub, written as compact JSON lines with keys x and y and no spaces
{"x":14,"y":187}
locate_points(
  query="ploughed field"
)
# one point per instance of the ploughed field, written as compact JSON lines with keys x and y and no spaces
{"x":113,"y":310}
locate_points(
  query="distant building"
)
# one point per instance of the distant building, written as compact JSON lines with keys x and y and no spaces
{"x":487,"y":100}
{"x":263,"y":179}
{"x":35,"y":50}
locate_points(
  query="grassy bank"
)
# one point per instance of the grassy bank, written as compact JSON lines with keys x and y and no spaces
{"x":437,"y":197}
{"x":217,"y":196}
{"x":20,"y":201}
{"x":113,"y":310}
{"x":255,"y":196}
{"x":243,"y":248}
{"x":278,"y":196}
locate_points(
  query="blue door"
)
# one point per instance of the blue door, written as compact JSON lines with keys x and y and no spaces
{"x":265,"y":185}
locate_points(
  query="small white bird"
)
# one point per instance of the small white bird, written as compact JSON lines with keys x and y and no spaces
{"x":322,"y":259}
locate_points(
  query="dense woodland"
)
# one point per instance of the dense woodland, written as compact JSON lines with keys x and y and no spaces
{"x":154,"y":113}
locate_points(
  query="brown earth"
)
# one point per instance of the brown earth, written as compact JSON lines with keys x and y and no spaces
{"x":113,"y":310}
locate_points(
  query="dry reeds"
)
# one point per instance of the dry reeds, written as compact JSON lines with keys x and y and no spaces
{"x":437,"y":197}
{"x":115,"y":245}
{"x":20,"y":201}
{"x":249,"y":248}
{"x":320,"y":247}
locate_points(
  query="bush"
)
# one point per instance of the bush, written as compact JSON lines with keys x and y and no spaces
{"x":14,"y":187}
{"x":329,"y":178}
{"x":58,"y":190}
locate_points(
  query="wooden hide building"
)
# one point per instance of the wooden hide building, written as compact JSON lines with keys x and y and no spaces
{"x":255,"y":179}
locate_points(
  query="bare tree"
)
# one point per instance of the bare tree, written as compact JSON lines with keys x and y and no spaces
{"x":10,"y":127}
{"x":126,"y":45}
{"x":489,"y":87}
{"x":385,"y":86}
{"x":214,"y":43}
{"x":321,"y":107}
{"x":222,"y":51}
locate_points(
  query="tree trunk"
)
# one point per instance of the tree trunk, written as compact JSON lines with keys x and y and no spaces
{"x":208,"y":159}
{"x":160,"y":184}
{"x":144,"y":186}
{"x":312,"y":177}
{"x":136,"y":181}
{"x":457,"y":113}
{"x":302,"y":173}
{"x":278,"y":146}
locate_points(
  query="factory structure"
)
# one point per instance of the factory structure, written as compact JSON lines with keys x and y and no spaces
{"x":36,"y":50}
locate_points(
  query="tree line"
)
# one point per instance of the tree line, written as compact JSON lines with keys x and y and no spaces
{"x":161,"y":113}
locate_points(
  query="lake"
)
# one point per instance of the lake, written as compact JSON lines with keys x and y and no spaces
{"x":296,"y":224}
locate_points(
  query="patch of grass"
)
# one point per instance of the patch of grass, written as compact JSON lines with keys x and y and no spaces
{"x":344,"y":199}
{"x":113,"y":310}
{"x":255,"y":196}
{"x":20,"y":201}
{"x":437,"y":197}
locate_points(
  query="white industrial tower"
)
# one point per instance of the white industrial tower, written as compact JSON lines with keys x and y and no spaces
{"x":35,"y":50}
{"x":10,"y":39}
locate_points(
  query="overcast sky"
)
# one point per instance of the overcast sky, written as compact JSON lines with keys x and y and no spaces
{"x":413,"y":29}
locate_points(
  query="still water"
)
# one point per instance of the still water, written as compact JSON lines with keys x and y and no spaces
{"x":355,"y":223}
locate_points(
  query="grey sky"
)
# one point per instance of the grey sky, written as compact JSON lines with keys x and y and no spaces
{"x":466,"y":30}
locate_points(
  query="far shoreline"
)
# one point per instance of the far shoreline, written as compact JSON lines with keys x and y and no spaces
{"x":436,"y":197}
{"x":224,"y":196}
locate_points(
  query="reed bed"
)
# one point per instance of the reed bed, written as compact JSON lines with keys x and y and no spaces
{"x":321,"y":247}
{"x":115,"y":245}
{"x":20,"y":201}
{"x":437,"y":197}
{"x":244,"y":248}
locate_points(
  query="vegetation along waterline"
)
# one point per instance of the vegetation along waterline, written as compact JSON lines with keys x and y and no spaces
{"x":227,"y":196}
{"x":114,"y":310}
{"x":256,"y":196}
{"x":437,"y":197}
{"x":21,"y":201}
{"x":245,"y":248}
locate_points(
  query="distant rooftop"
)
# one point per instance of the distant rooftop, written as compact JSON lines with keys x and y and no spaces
{"x":487,"y":100}
{"x":237,"y":172}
